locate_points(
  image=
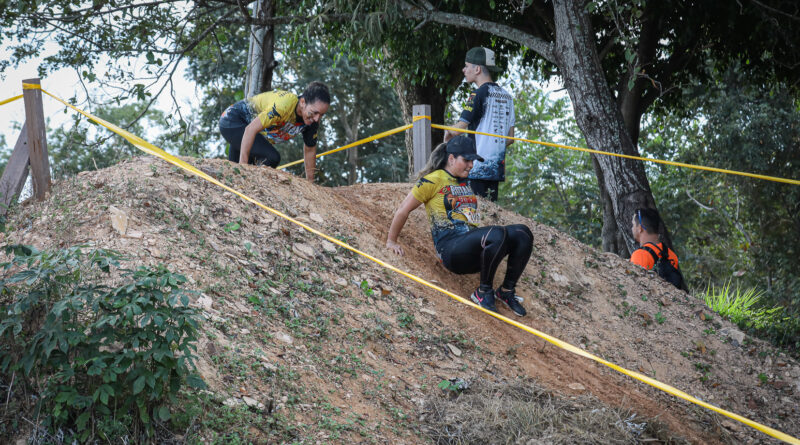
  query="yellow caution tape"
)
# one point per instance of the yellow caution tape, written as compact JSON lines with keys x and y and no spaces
{"x":155,"y":151}
{"x":11,"y":99}
{"x":360,"y":142}
{"x":31,"y":86}
{"x":353,"y":144}
{"x":639,"y":158}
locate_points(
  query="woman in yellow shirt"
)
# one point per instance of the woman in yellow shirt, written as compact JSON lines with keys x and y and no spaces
{"x":462,"y":246}
{"x":277,"y":116}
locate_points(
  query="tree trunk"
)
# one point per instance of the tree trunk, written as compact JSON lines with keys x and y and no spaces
{"x":261,"y":54}
{"x":612,"y":239}
{"x":352,"y":124}
{"x":623,"y":183}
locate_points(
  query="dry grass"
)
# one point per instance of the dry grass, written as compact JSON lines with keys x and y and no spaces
{"x":523,"y":412}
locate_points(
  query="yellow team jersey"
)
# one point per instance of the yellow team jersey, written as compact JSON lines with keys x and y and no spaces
{"x":276,"y":111}
{"x":450,"y":203}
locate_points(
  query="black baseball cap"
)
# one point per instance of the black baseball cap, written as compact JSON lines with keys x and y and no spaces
{"x":463,"y":146}
{"x":482,"y":56}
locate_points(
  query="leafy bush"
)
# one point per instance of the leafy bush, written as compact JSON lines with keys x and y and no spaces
{"x":741,"y":306}
{"x":94,"y":355}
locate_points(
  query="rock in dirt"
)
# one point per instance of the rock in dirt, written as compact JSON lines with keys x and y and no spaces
{"x":303,"y":251}
{"x":734,"y":334}
{"x":317,"y":218}
{"x":576,"y":387}
{"x":119,"y":220}
{"x":252,"y":403}
{"x":232,"y":401}
{"x":328,"y":247}
{"x":454,"y":350}
{"x":269,"y":366}
{"x":286,"y":338}
{"x":205,"y":302}
{"x":428,"y":311}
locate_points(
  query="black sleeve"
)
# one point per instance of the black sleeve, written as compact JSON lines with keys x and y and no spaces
{"x":310,"y":134}
{"x":473,"y":109}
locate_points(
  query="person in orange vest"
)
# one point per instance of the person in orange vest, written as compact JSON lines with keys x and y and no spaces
{"x":648,"y":229}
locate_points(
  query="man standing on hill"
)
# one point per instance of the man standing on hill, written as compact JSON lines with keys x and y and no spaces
{"x":278,"y":116}
{"x":489,"y":109}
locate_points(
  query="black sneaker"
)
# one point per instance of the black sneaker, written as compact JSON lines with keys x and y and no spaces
{"x":484,"y":299}
{"x":512,"y":301}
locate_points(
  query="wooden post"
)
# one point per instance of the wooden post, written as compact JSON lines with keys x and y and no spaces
{"x":421,"y":136}
{"x":16,"y":172}
{"x":37,"y":141}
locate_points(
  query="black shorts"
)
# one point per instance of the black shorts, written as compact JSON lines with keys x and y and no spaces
{"x":482,"y":250}
{"x":232,"y":126}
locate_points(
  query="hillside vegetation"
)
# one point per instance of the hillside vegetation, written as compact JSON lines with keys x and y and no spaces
{"x":302,"y":341}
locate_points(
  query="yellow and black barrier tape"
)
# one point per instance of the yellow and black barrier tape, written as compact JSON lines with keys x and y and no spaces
{"x":155,"y":151}
{"x":619,"y":155}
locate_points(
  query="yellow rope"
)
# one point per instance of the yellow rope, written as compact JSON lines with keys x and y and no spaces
{"x":599,"y":152}
{"x":360,"y":142}
{"x":353,"y":144}
{"x":11,"y":99}
{"x":155,"y":151}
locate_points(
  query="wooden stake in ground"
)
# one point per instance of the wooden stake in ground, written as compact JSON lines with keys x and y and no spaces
{"x":16,"y":172}
{"x":37,"y":141}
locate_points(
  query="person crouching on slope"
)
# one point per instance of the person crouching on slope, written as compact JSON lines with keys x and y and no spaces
{"x":452,"y":209}
{"x":277,"y":116}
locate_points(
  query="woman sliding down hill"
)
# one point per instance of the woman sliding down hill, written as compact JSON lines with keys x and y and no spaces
{"x":452,"y":210}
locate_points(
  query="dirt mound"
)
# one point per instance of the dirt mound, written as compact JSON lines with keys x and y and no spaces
{"x":330,"y":347}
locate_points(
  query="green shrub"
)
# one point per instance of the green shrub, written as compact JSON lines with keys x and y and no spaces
{"x":95,"y":354}
{"x":742,"y":306}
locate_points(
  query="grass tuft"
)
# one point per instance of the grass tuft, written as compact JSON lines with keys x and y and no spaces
{"x":741,"y":306}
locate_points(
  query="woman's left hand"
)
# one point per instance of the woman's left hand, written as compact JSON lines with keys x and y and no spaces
{"x":394,"y":247}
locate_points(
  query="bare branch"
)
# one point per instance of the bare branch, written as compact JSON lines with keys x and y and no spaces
{"x":777,"y":11}
{"x":725,"y":215}
{"x":243,"y":9}
{"x":78,"y":14}
{"x":542,"y":47}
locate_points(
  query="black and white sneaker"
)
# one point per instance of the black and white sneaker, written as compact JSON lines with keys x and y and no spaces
{"x":512,"y":301}
{"x":484,"y":299}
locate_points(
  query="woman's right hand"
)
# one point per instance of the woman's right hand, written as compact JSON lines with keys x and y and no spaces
{"x":394,"y":246}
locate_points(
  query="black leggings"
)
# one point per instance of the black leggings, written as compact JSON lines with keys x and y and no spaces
{"x":262,"y":152}
{"x":482,"y":249}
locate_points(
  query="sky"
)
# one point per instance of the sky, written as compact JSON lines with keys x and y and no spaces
{"x":65,"y":84}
